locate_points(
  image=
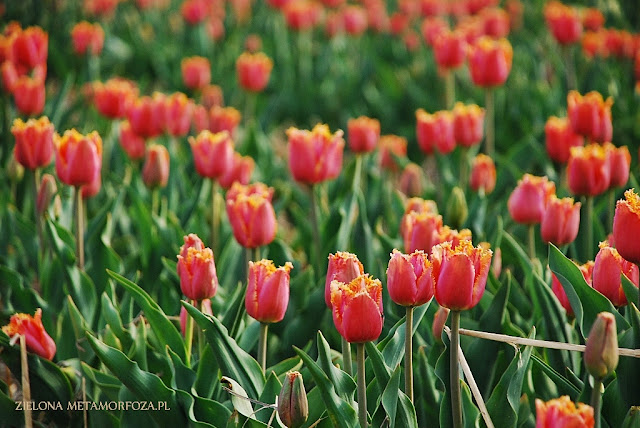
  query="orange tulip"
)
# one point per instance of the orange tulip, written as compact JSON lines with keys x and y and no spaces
{"x":212,"y":95}
{"x":316,"y":155}
{"x":590,"y":115}
{"x":559,"y":138}
{"x":468,"y":124}
{"x":564,"y":22}
{"x":196,"y":269}
{"x":562,"y":412}
{"x":435,"y":131}
{"x":253,"y":71}
{"x":112,"y":98}
{"x":420,"y":231}
{"x":155,"y":172}
{"x":391,"y":146}
{"x":224,"y":119}
{"x":78,"y":157}
{"x":410,"y":278}
{"x":178,"y":110}
{"x":29,"y":95}
{"x":87,"y":37}
{"x":212,"y":153}
{"x":36,"y":337}
{"x":626,"y":226}
{"x":34,"y":142}
{"x":592,"y":19}
{"x":133,"y":144}
{"x":343,"y":267}
{"x":560,"y":221}
{"x":357,"y":308}
{"x":490,"y":61}
{"x":252,"y":217}
{"x":588,"y":170}
{"x":606,"y":274}
{"x":363,"y":134}
{"x":267,"y":295}
{"x":483,"y":174}
{"x":196,"y":72}
{"x":528,"y":200}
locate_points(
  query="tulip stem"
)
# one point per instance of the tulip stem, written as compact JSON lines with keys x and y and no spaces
{"x":532,"y":241}
{"x":464,"y":167}
{"x":200,"y":305}
{"x":346,"y":357}
{"x":362,"y":386}
{"x":79,"y":228}
{"x":316,"y":230}
{"x":188,"y":337}
{"x":36,"y":185}
{"x":612,"y":208}
{"x":454,"y":370}
{"x":255,"y":254}
{"x":570,"y":73}
{"x":155,"y":201}
{"x":589,"y":224}
{"x":408,"y":354}
{"x":450,"y":89}
{"x":26,"y":386}
{"x":262,"y":346}
{"x":215,"y":214}
{"x":489,"y":129}
{"x":596,"y":400}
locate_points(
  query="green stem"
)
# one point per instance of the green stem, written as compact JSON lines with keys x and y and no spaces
{"x":532,"y":241}
{"x":490,"y":122}
{"x":199,"y":331}
{"x":36,"y":188}
{"x":357,"y":174}
{"x":450,"y":89}
{"x":408,"y":354}
{"x":155,"y":201}
{"x":464,"y":167}
{"x":188,"y":336}
{"x":262,"y":346}
{"x":570,"y":73}
{"x":215,"y":215}
{"x":596,"y":400}
{"x":454,"y":370}
{"x":79,"y":228}
{"x":255,"y":254}
{"x":346,"y":357}
{"x":589,"y":225}
{"x":362,"y":386}
{"x":612,"y":208}
{"x":316,"y":231}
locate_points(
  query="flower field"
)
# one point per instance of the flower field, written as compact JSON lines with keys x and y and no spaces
{"x":318,"y":213}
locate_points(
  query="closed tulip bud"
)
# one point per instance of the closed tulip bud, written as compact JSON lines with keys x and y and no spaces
{"x":133,"y":144}
{"x":439,"y":320}
{"x":178,"y":110}
{"x":196,"y":269}
{"x":240,"y":171}
{"x":212,"y":153}
{"x":357,"y":308}
{"x":315,"y":156}
{"x":363,"y":134}
{"x":87,"y":37}
{"x":390,"y":147}
{"x":155,"y":172}
{"x":590,"y":115}
{"x":490,"y":61}
{"x":267,"y":291}
{"x":253,"y":71}
{"x":224,"y":119}
{"x":411,"y":180}
{"x":31,"y":47}
{"x":113,"y":98}
{"x":15,"y":171}
{"x":293,"y":407}
{"x":588,"y":170}
{"x":559,"y":138}
{"x":626,"y":226}
{"x":435,"y":131}
{"x":196,"y":72}
{"x":564,"y":22}
{"x":432,"y":27}
{"x":483,"y":174}
{"x":48,"y":189}
{"x":343,"y":267}
{"x":619,"y":164}
{"x":251,"y":214}
{"x":460,"y":274}
{"x":409,"y":278}
{"x":206,"y":309}
{"x":606,"y":274}
{"x":29,"y":94}
{"x":212,"y":95}
{"x":528,"y":200}
{"x":78,"y":157}
{"x":36,"y":337}
{"x":563,"y":413}
{"x":495,"y":21}
{"x":601,"y":352}
{"x":468,"y":124}
{"x":34,"y":142}
{"x":420,"y":231}
{"x":496,"y":263}
{"x":457,"y":211}
{"x":450,"y":49}
{"x":560,"y":221}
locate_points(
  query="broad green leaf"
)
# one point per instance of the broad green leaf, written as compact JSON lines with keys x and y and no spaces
{"x":112,"y":317}
{"x":632,"y":420}
{"x":630,"y":289}
{"x":239,"y":397}
{"x":392,"y":346}
{"x":107,"y":384}
{"x":79,"y":327}
{"x":235,"y":310}
{"x":233,"y":361}
{"x":341,"y":381}
{"x":613,"y":406}
{"x":164,"y":330}
{"x":401,"y":411}
{"x":187,"y":402}
{"x":10,"y":416}
{"x":564,"y":386}
{"x":182,"y":376}
{"x":206,"y":374}
{"x":628,"y":371}
{"x":143,"y":385}
{"x":269,"y":395}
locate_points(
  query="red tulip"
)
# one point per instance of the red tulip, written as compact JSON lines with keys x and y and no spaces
{"x":560,"y":221}
{"x":178,"y":110}
{"x":563,"y":21}
{"x":240,"y":171}
{"x":528,"y":200}
{"x":588,"y":170}
{"x":490,"y":61}
{"x":460,"y":274}
{"x":133,"y":144}
{"x":29,"y":94}
{"x":495,"y":22}
{"x":259,"y":189}
{"x":267,"y":291}
{"x":468,"y":124}
{"x":206,"y":309}
{"x":557,"y":288}
{"x":626,"y":226}
{"x":316,"y":155}
{"x":562,"y":412}
{"x":87,"y":37}
{"x":619,"y":164}
{"x":31,"y":47}
{"x":224,"y":119}
{"x":196,"y":72}
{"x":36,"y":337}
{"x":252,"y":217}
{"x":212,"y":95}
{"x":606,"y":274}
{"x":196,"y":269}
{"x":431,"y":28}
{"x":113,"y":98}
{"x":592,"y":19}
{"x":411,"y":180}
{"x":483,"y":174}
{"x":391,"y":146}
{"x":34,"y":142}
{"x":446,"y":234}
{"x":560,"y":138}
{"x":343,"y":267}
{"x":420,"y":231}
{"x":194,"y":11}
{"x":146,"y":116}
{"x":363,"y":134}
{"x":78,"y":157}
{"x":302,"y":15}
{"x":253,"y":43}
{"x":590,"y":115}
{"x":357,"y":308}
{"x":212,"y":153}
{"x":355,"y":20}
{"x":155,"y":172}
{"x":410,"y":278}
{"x":253,"y":71}
{"x":450,"y":49}
{"x":435,"y":131}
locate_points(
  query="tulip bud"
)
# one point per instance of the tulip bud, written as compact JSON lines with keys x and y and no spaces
{"x":37,"y":339}
{"x":439,"y":320}
{"x":48,"y":188}
{"x":601,"y":353}
{"x":483,"y":174}
{"x":411,"y":180}
{"x":457,"y":210}
{"x":155,"y":172}
{"x":633,"y":418}
{"x":293,"y":407}
{"x":15,"y":171}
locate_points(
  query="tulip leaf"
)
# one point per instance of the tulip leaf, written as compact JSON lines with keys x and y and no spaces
{"x":79,"y":327}
{"x":341,"y":381}
{"x":164,"y":330}
{"x":182,"y":377}
{"x":113,"y":320}
{"x":613,"y":407}
{"x":340,"y":412}
{"x":207,"y":364}
{"x":565,"y":387}
{"x":239,"y":397}
{"x":109,"y":385}
{"x":396,"y":403}
{"x":630,"y":289}
{"x":10,"y":416}
{"x":187,"y":402}
{"x":143,"y":385}
{"x":233,"y":361}
{"x":392,"y":346}
{"x":586,"y":302}
{"x":235,"y":310}
{"x":632,"y":419}
{"x":269,"y":396}
{"x":628,"y":371}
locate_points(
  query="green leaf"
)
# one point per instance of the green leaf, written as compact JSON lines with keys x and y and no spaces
{"x":10,"y":416}
{"x":112,"y":317}
{"x":107,"y":384}
{"x":586,"y":302}
{"x":340,"y":412}
{"x":395,"y":405}
{"x":239,"y":397}
{"x":630,"y":289}
{"x":79,"y":327}
{"x":143,"y":385}
{"x":392,"y":346}
{"x":164,"y":330}
{"x":564,"y":386}
{"x":271,"y":390}
{"x":205,"y":382}
{"x":341,"y":381}
{"x":628,"y":371}
{"x":235,"y":310}
{"x":233,"y":361}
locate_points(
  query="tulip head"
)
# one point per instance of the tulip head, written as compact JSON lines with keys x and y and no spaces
{"x":468,"y":124}
{"x":450,"y":49}
{"x":133,"y":144}
{"x":363,"y":134}
{"x":196,"y":72}
{"x":87,"y":38}
{"x":601,"y":352}
{"x":178,"y":110}
{"x":564,"y":22}
{"x":609,"y":265}
{"x":390,"y":147}
{"x":253,"y":71}
{"x":196,"y":269}
{"x":34,"y":142}
{"x":240,"y":171}
{"x":316,"y":155}
{"x":590,"y":115}
{"x":626,"y":226}
{"x":529,"y":199}
{"x":224,"y":119}
{"x":78,"y":157}
{"x":357,"y":308}
{"x":490,"y":61}
{"x":483,"y":174}
{"x":37,"y":339}
{"x":562,"y":412}
{"x":420,"y":231}
{"x":252,"y":217}
{"x":559,"y":138}
{"x":435,"y":131}
{"x":619,"y":164}
{"x":410,"y":278}
{"x":29,"y":94}
{"x":343,"y":267}
{"x":267,"y":291}
{"x":155,"y":172}
{"x":588,"y":170}
{"x":212,"y":153}
{"x":113,"y":98}
{"x":560,"y":221}
{"x":293,"y":407}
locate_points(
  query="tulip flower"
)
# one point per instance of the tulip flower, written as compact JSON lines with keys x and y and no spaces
{"x":155,"y":172}
{"x":316,"y":155}
{"x":112,"y":98}
{"x":252,"y":217}
{"x":619,"y":164}
{"x":343,"y":267}
{"x":411,"y":180}
{"x":431,"y":28}
{"x":293,"y":406}
{"x":178,"y":110}
{"x":490,"y":61}
{"x":563,"y":413}
{"x":34,"y":142}
{"x":78,"y":157}
{"x":449,"y":49}
{"x":559,"y":138}
{"x":590,"y":115}
{"x":528,"y":200}
{"x":196,"y":72}
{"x":240,"y":171}
{"x":592,"y":19}
{"x":31,"y":47}
{"x":626,"y":226}
{"x":495,"y":22}
{"x":447,"y":234}
{"x":268,"y":291}
{"x":420,"y":230}
{"x":212,"y":153}
{"x":224,"y":119}
{"x":146,"y":116}
{"x":564,"y":22}
{"x":133,"y":144}
{"x":253,"y":71}
{"x":606,"y":274}
{"x":48,"y":188}
{"x":560,"y":221}
{"x":435,"y":131}
{"x":391,"y":146}
{"x":363,"y":134}
{"x":557,"y":288}
{"x":87,"y":37}
{"x":196,"y":269}
{"x":483,"y":174}
{"x":36,"y":337}
{"x":301,"y":15}
{"x":468,"y":124}
{"x":354,"y":19}
{"x":588,"y":170}
{"x":212,"y":95}
{"x":29,"y":94}
{"x":194,"y":11}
